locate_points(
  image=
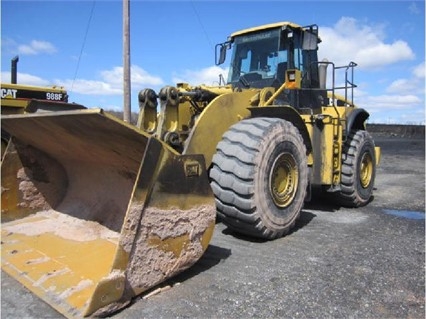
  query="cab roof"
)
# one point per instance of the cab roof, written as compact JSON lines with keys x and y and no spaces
{"x":266,"y":27}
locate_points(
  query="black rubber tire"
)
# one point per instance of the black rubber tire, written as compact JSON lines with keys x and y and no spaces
{"x":250,"y":199}
{"x":358,"y":170}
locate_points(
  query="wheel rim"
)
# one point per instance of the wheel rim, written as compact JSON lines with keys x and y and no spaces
{"x":283,"y":180}
{"x":366,"y":170}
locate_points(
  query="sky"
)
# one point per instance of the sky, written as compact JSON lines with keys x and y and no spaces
{"x":79,"y":45}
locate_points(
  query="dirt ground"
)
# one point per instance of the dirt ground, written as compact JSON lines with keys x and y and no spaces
{"x":337,"y":263}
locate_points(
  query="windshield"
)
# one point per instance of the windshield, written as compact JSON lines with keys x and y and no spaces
{"x":257,"y":57}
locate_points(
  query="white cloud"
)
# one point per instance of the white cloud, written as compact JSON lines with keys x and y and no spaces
{"x":351,"y":40}
{"x":207,"y":76}
{"x":139,"y":77}
{"x":393,"y":108}
{"x":8,"y":45}
{"x":25,"y":78}
{"x":36,"y":47}
{"x":90,"y":87}
{"x":413,"y":85}
{"x":419,"y":70}
{"x":411,"y":116}
{"x":401,"y":86}
{"x":111,"y":82}
{"x":392,"y":102}
{"x":380,"y":54}
{"x":413,"y":8}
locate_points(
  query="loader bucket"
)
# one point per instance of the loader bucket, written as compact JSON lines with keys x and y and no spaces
{"x":95,"y":212}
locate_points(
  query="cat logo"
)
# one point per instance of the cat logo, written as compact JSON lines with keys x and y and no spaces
{"x":8,"y":93}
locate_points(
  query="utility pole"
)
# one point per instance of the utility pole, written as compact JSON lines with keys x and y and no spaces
{"x":126,"y":62}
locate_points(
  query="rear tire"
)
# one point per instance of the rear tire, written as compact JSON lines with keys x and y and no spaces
{"x":358,"y":170}
{"x":259,"y":176}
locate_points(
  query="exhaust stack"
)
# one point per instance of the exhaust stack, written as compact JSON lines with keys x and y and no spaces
{"x":14,"y":70}
{"x":322,"y":71}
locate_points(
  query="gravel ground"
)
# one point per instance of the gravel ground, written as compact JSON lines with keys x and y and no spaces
{"x":337,"y":263}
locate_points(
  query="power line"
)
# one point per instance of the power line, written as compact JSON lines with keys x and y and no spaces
{"x":84,"y":43}
{"x":201,"y":24}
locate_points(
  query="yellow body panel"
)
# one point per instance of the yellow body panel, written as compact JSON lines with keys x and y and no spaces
{"x":16,"y":97}
{"x":13,"y":106}
{"x":327,"y":143}
{"x":54,"y":89}
{"x":221,"y":113}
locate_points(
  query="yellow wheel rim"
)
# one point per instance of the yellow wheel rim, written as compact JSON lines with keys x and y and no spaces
{"x":366,"y":170}
{"x":284,"y":179}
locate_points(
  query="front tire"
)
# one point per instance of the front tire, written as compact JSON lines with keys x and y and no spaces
{"x":358,"y":169}
{"x":259,"y":176}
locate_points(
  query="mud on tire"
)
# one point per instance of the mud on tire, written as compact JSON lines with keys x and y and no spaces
{"x":259,"y":177}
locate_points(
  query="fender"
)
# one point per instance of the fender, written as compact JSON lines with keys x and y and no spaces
{"x":286,"y":113}
{"x":356,"y":119}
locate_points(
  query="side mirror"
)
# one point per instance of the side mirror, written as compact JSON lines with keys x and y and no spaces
{"x":220,"y":52}
{"x":310,"y":41}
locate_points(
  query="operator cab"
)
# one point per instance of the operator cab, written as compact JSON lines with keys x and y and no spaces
{"x":261,"y":57}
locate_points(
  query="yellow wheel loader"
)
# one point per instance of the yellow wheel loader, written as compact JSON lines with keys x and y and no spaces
{"x":96,"y":211}
{"x":19,"y":99}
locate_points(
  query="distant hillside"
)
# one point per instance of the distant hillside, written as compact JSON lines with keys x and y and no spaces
{"x":397,"y":130}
